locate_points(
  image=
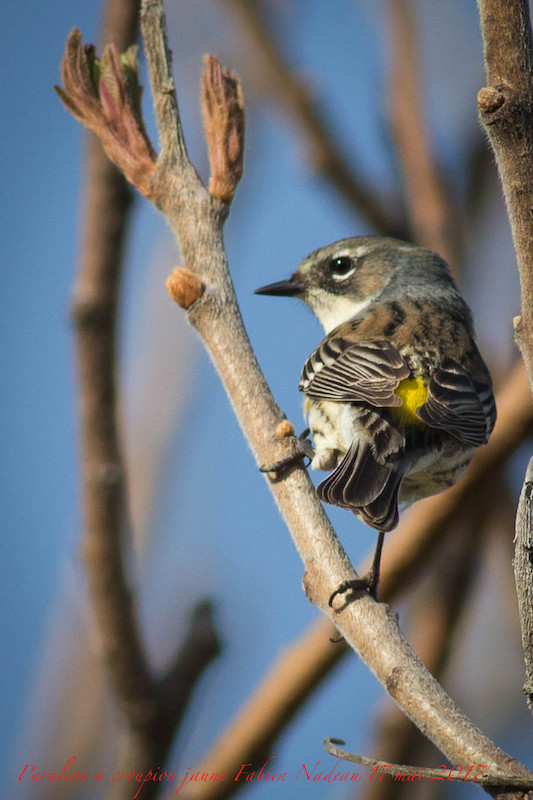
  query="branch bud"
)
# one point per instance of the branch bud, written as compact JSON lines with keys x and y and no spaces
{"x":223,"y":113}
{"x":284,"y":429}
{"x":105,"y":96}
{"x":184,"y":287}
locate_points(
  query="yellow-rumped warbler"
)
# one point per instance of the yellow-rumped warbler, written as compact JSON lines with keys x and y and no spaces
{"x":397,"y":394}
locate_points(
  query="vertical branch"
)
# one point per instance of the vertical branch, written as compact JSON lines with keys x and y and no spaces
{"x":95,"y":302}
{"x":173,"y":149}
{"x":506,"y":110}
{"x":523,"y":570}
{"x":152,"y":707}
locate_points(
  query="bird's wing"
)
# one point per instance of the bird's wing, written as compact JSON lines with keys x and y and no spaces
{"x":354,"y":371}
{"x":459,"y":404}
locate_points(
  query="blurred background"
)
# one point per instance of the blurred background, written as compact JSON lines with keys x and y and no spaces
{"x":203,"y":522}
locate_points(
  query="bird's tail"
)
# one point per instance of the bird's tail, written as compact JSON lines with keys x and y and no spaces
{"x":364,"y":486}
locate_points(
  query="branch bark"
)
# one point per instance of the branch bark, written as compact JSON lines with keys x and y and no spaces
{"x":523,"y":570}
{"x":506,"y":110}
{"x":94,"y":310}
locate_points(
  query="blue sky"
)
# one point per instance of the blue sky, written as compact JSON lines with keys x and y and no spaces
{"x":213,"y":529}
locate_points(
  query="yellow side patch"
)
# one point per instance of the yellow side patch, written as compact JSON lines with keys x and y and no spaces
{"x":414,"y":394}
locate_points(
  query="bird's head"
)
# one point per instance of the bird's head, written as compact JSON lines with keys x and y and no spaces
{"x":343,"y":279}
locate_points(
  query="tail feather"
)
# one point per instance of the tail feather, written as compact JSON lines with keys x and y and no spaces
{"x":356,"y":481}
{"x":364,"y":486}
{"x":382,"y":513}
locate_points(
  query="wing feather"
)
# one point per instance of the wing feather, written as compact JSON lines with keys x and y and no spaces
{"x":355,"y":372}
{"x":459,"y":404}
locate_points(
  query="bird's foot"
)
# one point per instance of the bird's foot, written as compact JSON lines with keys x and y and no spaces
{"x":302,"y":449}
{"x":367,"y":583}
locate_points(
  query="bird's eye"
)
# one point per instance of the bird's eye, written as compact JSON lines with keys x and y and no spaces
{"x":341,"y":266}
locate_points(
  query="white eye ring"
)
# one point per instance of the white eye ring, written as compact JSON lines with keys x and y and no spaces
{"x":340,"y":278}
{"x":340,"y":262}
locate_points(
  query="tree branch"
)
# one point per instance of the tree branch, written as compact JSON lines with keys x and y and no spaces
{"x":397,"y":770}
{"x":151,"y":708}
{"x":95,"y":302}
{"x":300,"y":669}
{"x":506,"y":110}
{"x":173,"y":149}
{"x":523,"y":570}
{"x":430,"y":212}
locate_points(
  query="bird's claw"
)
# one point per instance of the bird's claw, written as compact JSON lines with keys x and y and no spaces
{"x":367,"y":583}
{"x":302,"y":449}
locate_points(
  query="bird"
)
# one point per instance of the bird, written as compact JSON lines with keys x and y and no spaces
{"x":397,"y":395}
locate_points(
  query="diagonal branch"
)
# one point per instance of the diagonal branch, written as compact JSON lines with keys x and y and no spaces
{"x":323,"y":152}
{"x":300,"y":669}
{"x":429,"y":210}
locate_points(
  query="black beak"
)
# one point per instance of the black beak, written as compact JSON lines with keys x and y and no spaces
{"x":289,"y":288}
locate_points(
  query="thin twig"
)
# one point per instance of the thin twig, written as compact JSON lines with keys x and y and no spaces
{"x":173,"y":148}
{"x":324,"y":154}
{"x":478,"y":775}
